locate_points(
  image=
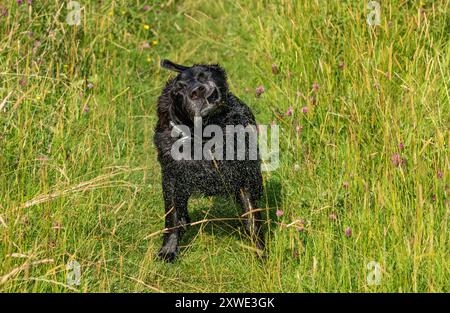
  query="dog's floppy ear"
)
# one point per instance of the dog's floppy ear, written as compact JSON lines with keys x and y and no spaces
{"x":172,"y":66}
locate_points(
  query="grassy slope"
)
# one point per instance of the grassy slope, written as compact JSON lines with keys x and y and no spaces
{"x":86,"y":185}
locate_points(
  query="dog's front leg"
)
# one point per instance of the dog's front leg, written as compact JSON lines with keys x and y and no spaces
{"x":176,"y":220}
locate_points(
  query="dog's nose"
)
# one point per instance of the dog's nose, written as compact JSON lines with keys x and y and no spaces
{"x":198,"y":92}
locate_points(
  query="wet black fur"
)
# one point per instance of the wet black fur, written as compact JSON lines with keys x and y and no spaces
{"x":240,"y":180}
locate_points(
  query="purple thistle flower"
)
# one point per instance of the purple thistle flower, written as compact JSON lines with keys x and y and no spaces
{"x":19,"y":2}
{"x":86,"y":109}
{"x":305,"y":109}
{"x":401,"y":146}
{"x":90,"y":85}
{"x":259,"y":90}
{"x":29,"y":2}
{"x":397,"y":160}
{"x":279,"y":213}
{"x":348,"y":232}
{"x":289,"y":112}
{"x":146,"y":8}
{"x":440,"y":174}
{"x":274,"y":69}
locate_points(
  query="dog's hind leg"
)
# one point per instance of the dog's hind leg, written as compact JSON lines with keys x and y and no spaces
{"x":253,"y":218}
{"x":176,"y":221}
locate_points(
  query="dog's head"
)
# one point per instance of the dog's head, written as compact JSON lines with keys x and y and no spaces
{"x":198,"y":90}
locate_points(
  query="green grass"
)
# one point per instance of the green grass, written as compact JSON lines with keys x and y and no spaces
{"x":79,"y":179}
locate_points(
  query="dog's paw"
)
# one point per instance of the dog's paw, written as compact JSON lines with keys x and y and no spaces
{"x":167,"y":254}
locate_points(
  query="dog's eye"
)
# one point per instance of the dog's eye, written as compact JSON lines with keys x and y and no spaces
{"x":202,"y":77}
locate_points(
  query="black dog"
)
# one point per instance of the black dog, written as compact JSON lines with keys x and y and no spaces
{"x":201,"y":91}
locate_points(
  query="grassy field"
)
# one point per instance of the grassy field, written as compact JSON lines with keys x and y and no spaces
{"x":364,"y":163}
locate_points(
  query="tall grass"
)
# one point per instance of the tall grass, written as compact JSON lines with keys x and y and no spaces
{"x":364,"y":169}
